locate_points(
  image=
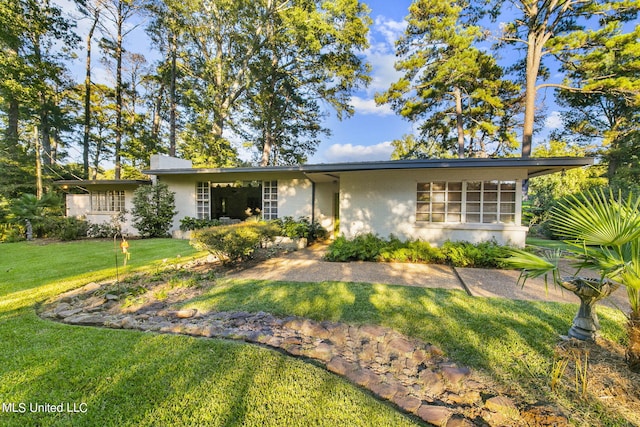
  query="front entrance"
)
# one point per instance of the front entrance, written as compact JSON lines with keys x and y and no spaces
{"x":235,"y":201}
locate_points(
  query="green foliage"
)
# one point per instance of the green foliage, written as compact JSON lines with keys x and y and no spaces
{"x":189,"y":223}
{"x":10,"y":233}
{"x":545,"y":191}
{"x":302,"y":228}
{"x":370,"y":247}
{"x":153,"y":210}
{"x":62,"y":228}
{"x":235,"y":242}
{"x":450,"y":83}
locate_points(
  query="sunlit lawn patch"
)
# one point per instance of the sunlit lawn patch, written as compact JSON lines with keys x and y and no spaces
{"x":119,"y":378}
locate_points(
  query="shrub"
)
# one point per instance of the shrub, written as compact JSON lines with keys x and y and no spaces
{"x":234,"y":242}
{"x":189,"y":223}
{"x":291,"y":228}
{"x":10,"y":233}
{"x":70,"y":229}
{"x":364,"y":247}
{"x":465,"y":254}
{"x":153,"y":210}
{"x":369,"y":247}
{"x":62,"y":228}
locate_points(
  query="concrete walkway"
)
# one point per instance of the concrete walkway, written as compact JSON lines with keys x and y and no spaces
{"x":307,"y":265}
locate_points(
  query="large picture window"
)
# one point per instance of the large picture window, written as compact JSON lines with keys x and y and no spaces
{"x":203,"y":200}
{"x":466,"y":201}
{"x":270,"y":199}
{"x":107,"y":201}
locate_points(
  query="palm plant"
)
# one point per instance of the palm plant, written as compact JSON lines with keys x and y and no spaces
{"x":603,"y":232}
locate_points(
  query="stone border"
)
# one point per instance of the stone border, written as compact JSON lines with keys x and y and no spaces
{"x":411,"y":374}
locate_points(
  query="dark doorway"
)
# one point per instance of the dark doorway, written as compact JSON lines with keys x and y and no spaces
{"x":235,"y":201}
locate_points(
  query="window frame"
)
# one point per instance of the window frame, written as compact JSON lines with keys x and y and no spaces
{"x":203,"y":200}
{"x":269,"y":199}
{"x":489,"y":202}
{"x":108,"y":201}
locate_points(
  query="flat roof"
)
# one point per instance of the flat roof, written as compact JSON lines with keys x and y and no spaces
{"x":93,"y":182}
{"x":534,"y":166}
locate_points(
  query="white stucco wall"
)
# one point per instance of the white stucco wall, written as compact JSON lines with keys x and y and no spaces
{"x":384,"y":202}
{"x":79,"y":206}
{"x":294,"y":198}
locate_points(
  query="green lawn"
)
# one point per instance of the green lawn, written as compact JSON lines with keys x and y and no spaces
{"x":134,"y":378}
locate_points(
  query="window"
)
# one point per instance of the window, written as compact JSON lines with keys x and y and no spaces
{"x":466,"y":201}
{"x":439,"y":202}
{"x":270,"y":199}
{"x":107,"y":201}
{"x":203,"y":210}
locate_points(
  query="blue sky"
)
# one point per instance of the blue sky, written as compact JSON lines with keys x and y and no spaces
{"x":367,"y":135}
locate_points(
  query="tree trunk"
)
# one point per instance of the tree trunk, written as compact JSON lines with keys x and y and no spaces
{"x":45,"y":131}
{"x":532,"y":70}
{"x":38,"y":164}
{"x":12,"y":121}
{"x":172,"y":98}
{"x":458,"y":95}
{"x":266,"y":150}
{"x":118,"y":130}
{"x":87,"y":100}
{"x":633,"y":350}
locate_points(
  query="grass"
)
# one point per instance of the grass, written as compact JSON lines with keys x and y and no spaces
{"x":512,"y":341}
{"x":130,"y":378}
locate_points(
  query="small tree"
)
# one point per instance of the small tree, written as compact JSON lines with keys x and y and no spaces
{"x":153,"y":210}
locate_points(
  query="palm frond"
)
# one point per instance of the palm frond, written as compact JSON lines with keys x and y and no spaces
{"x":597,"y":219}
{"x":533,"y":265}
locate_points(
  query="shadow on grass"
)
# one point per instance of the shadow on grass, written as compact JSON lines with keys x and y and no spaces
{"x":505,"y":338}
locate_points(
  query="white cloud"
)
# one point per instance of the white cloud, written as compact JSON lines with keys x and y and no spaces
{"x":381,"y":53}
{"x":358,"y":153}
{"x":553,"y":121}
{"x":369,"y":106}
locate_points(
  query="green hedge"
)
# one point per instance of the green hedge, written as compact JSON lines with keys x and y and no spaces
{"x":370,"y":247}
{"x":234,"y":242}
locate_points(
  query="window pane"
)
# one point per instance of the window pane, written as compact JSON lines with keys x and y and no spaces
{"x":422,"y":217}
{"x":438,"y":197}
{"x":491,"y":186}
{"x":424,"y":186}
{"x":507,"y":208}
{"x":454,"y":208}
{"x":489,"y":218}
{"x":475,"y":217}
{"x":474,"y":186}
{"x":438,"y":186}
{"x":453,"y":217}
{"x":422,"y":208}
{"x":455,"y":197}
{"x":438,"y":207}
{"x":455,"y":186}
{"x":508,"y":197}
{"x":424,"y":197}
{"x":473,"y":197}
{"x":437,"y":217}
{"x":490,"y":197}
{"x":508,"y":218}
{"x":508,"y":186}
{"x":490,"y":207}
{"x":473,"y":207}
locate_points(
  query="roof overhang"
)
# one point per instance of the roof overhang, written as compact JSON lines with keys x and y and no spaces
{"x":95,"y":183}
{"x":327,"y":171}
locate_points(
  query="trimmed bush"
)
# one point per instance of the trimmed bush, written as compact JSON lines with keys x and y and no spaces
{"x":235,"y":242}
